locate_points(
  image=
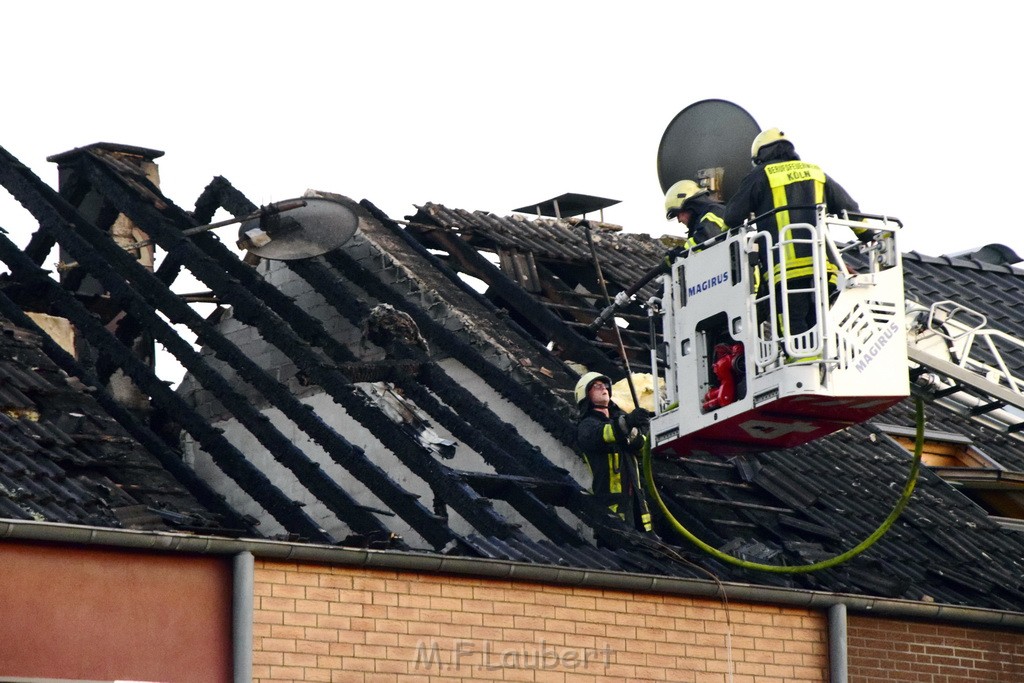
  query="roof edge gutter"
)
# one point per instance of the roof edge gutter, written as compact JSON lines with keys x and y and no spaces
{"x":159,"y":541}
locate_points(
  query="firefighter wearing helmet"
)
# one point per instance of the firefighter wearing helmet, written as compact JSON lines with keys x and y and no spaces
{"x":610,"y":439}
{"x":781,"y":182}
{"x":692,"y":205}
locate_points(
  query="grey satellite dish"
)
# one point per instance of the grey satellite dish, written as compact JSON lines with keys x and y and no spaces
{"x":708,"y":142}
{"x":298,"y":229}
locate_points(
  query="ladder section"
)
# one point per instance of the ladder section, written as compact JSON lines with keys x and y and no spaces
{"x":965,"y":365}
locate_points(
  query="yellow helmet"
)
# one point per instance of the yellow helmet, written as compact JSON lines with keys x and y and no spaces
{"x":765,"y":138}
{"x":679,"y":194}
{"x":583,"y":386}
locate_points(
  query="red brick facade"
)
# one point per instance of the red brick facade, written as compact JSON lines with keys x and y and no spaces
{"x":886,"y":650}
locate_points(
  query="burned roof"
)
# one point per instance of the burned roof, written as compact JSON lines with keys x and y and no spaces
{"x":371,"y":395}
{"x":63,"y":458}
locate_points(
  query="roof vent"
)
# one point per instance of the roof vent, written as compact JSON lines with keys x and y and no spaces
{"x":569,"y":204}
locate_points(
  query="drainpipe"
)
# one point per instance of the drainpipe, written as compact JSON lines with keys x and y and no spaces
{"x":242,"y":616}
{"x":838,"y":662}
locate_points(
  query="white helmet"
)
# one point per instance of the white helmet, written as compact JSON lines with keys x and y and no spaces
{"x":680,"y":193}
{"x":586,"y":381}
{"x":763,"y":139}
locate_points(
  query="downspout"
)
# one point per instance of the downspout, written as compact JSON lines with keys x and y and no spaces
{"x":838,"y":661}
{"x":242,"y":616}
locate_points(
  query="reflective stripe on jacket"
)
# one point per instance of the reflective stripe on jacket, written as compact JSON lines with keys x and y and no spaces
{"x":614,"y":467}
{"x":798,"y":184}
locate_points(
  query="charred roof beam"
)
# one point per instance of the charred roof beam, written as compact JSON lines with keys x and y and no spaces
{"x":434,"y":331}
{"x":252,"y":310}
{"x":169,"y":459}
{"x":221,"y":194}
{"x":522,"y":494}
{"x":539,"y":514}
{"x":224,"y":454}
{"x":234,"y":281}
{"x":575,"y":346}
{"x":584,"y":312}
{"x":101,"y":255}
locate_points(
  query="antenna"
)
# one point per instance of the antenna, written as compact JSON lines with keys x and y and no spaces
{"x":315,"y":226}
{"x":709,"y":142}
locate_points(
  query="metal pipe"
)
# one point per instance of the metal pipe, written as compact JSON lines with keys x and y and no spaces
{"x":265,"y":211}
{"x":838,"y":654}
{"x":260,"y":213}
{"x":162,"y":541}
{"x":244,"y":571}
{"x":608,"y":302}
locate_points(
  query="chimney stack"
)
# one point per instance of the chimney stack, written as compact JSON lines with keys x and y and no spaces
{"x":94,"y":208}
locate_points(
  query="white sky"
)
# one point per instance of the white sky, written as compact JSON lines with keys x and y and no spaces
{"x":912,"y":107}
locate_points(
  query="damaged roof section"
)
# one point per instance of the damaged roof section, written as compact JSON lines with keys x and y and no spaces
{"x":64,"y":459}
{"x":547,"y":278}
{"x":327,"y":477}
{"x":370,"y":395}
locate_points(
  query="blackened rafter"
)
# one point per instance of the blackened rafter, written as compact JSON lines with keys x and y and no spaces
{"x":515,"y":456}
{"x":225,"y":455}
{"x":168,"y":459}
{"x":108,"y":263}
{"x":217,"y":267}
{"x":572,"y":344}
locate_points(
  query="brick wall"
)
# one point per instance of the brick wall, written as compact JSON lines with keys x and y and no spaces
{"x":889,"y":650}
{"x":323,"y":623}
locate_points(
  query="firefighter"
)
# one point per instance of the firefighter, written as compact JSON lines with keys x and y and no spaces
{"x":691,"y":205}
{"x":779,"y":180}
{"x":610,"y":439}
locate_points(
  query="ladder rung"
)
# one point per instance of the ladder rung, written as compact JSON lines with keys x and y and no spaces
{"x":986,"y":408}
{"x":949,"y":391}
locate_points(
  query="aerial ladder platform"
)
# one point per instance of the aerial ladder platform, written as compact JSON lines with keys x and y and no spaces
{"x":752,"y":360}
{"x":736,"y":381}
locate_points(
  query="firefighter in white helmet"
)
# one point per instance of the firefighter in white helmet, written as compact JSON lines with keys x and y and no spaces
{"x":692,"y":205}
{"x":610,"y":439}
{"x":781,"y":182}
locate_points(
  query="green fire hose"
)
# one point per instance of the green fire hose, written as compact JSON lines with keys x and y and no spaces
{"x":797,"y":569}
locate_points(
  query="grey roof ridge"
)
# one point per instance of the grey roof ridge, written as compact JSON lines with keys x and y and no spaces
{"x":956,"y":262}
{"x":175,"y":542}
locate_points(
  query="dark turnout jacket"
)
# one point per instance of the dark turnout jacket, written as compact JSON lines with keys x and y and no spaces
{"x":708,"y":221}
{"x":613,"y":463}
{"x":795,"y":187}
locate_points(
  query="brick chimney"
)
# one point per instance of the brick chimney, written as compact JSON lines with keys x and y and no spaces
{"x":124,"y":232}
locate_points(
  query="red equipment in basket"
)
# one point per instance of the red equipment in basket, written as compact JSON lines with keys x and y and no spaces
{"x":728,"y":358}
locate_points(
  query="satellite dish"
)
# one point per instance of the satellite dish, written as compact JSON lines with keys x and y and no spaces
{"x":298,"y":229}
{"x":707,"y":135}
